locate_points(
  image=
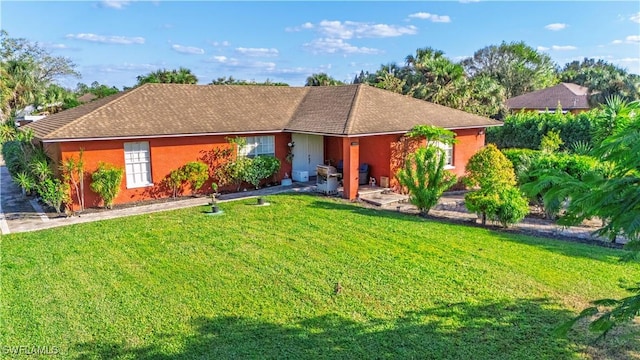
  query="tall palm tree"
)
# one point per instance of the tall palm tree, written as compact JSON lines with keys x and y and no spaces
{"x":180,"y":76}
{"x":21,"y":84}
{"x":322,"y":79}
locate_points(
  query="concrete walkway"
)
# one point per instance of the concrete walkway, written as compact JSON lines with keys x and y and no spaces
{"x":18,"y":214}
{"x":21,"y":215}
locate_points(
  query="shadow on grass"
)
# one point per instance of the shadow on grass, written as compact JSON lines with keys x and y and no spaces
{"x":499,"y":330}
{"x":341,"y":205}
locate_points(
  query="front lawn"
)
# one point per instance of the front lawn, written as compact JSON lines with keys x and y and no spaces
{"x":259,"y":282}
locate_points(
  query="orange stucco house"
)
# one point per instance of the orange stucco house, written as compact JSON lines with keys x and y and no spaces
{"x":155,"y":128}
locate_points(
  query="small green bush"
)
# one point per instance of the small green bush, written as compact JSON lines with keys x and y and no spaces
{"x":175,"y":180}
{"x":551,"y":141}
{"x":25,"y":181}
{"x":54,"y":193}
{"x":260,"y":168}
{"x":106,"y":182}
{"x":196,"y":173}
{"x":494,"y":196}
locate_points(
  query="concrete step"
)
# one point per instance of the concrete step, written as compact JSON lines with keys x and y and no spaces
{"x":380,"y":198}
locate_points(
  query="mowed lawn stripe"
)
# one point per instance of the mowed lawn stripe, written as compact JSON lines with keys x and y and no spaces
{"x":260,"y":282}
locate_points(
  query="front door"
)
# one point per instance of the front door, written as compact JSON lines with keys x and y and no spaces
{"x":308,"y":152}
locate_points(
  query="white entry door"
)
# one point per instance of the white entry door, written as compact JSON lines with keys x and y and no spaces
{"x":308,"y":152}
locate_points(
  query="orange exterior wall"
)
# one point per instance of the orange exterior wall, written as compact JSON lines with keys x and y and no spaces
{"x":166,"y":154}
{"x":469,"y":142}
{"x":332,"y":150}
{"x":376,"y":151}
{"x":385,"y":155}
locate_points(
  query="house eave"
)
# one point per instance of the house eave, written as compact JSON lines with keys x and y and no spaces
{"x":231,"y":133}
{"x":57,"y":140}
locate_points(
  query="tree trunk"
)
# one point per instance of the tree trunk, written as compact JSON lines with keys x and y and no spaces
{"x":484,"y":219}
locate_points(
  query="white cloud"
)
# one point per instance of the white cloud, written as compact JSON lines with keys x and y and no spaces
{"x":257,"y":52}
{"x":220,"y":43}
{"x":115,"y":4}
{"x":56,"y":46}
{"x":305,"y":26}
{"x":635,"y":17}
{"x":187,"y":49}
{"x":633,"y":39}
{"x":337,"y":46}
{"x":631,"y":64}
{"x":353,"y":29}
{"x":431,"y":17}
{"x":238,"y":64}
{"x":125,"y":67}
{"x":556,"y":26}
{"x":542,"y":48}
{"x":123,"y":40}
{"x":563,"y":47}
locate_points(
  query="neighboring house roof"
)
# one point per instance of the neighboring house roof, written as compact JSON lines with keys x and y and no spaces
{"x":173,"y":109}
{"x":569,"y":96}
{"x":87,"y":98}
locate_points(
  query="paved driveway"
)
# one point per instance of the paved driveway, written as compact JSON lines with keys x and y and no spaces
{"x":16,"y":212}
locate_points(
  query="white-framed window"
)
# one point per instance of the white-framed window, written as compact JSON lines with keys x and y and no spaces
{"x":448,"y":153}
{"x":137,"y":163}
{"x":258,"y":145}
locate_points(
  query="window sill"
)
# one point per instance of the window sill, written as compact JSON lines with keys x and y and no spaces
{"x":449,"y":167}
{"x":138,"y":186}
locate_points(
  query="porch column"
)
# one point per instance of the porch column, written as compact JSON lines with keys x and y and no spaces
{"x":351,"y":163}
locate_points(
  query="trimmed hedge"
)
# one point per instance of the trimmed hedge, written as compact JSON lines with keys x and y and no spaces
{"x":525,"y":130}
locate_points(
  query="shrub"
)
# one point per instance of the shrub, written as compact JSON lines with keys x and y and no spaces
{"x":73,"y":174}
{"x":174,"y":180}
{"x":425,"y":178}
{"x":512,"y":206}
{"x":25,"y":181}
{"x":54,"y":193}
{"x":491,"y":176}
{"x":196,"y":173}
{"x":106,"y":182}
{"x":526,"y":129}
{"x":577,"y":166}
{"x":551,"y":141}
{"x":521,"y":160}
{"x":260,"y":168}
{"x":235,"y":171}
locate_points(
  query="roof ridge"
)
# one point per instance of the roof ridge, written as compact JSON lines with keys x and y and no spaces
{"x":349,"y":123}
{"x":117,"y":97}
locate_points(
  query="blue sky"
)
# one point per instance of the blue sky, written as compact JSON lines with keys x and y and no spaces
{"x":114,"y":41}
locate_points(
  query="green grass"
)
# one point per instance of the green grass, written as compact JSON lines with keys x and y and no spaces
{"x":259,"y":282}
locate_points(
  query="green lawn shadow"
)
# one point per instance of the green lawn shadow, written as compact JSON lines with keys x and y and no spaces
{"x":498,"y":330}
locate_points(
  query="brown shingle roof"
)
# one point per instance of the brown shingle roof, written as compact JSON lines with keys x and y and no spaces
{"x":173,"y":109}
{"x":381,"y":111}
{"x":569,"y":96}
{"x":324,"y":109}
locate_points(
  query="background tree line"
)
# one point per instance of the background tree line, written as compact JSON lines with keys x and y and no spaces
{"x":479,"y":84}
